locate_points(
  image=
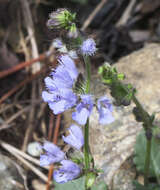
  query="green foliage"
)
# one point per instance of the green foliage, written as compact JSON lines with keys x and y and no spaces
{"x":138,"y":186}
{"x":122,"y":93}
{"x":140,"y":150}
{"x":100,"y":186}
{"x":79,"y":184}
{"x":71,"y":185}
{"x":90,"y":179}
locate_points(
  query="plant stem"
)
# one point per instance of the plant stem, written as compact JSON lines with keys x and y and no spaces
{"x":88,"y":72}
{"x":147,"y":161}
{"x":148,"y":128}
{"x":86,"y":130}
{"x":86,"y":145}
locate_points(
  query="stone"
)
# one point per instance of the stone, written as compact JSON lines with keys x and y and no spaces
{"x":113,"y":144}
{"x":34,"y":149}
{"x":10,"y":178}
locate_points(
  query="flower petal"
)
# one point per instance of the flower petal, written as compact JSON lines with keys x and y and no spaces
{"x":75,"y":138}
{"x":105,"y":110}
{"x":52,"y":154}
{"x":67,"y":172}
{"x":81,"y":117}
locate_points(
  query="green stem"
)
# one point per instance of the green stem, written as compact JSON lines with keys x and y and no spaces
{"x":147,"y":161}
{"x":86,"y":146}
{"x":148,"y":127}
{"x":88,"y":72}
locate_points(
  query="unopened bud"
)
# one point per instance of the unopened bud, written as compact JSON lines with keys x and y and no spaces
{"x":90,"y":179}
{"x":61,"y":18}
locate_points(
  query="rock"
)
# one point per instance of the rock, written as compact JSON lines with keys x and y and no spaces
{"x":112,"y":144}
{"x":34,"y":149}
{"x":38,"y":185}
{"x":10,"y":178}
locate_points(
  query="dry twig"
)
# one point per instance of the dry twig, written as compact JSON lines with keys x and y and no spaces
{"x":29,"y":165}
{"x":55,"y":137}
{"x":93,"y":14}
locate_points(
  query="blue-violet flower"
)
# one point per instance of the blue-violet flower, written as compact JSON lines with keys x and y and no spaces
{"x":57,"y":43}
{"x":88,"y":47}
{"x":60,"y":96}
{"x":105,"y":110}
{"x":83,"y":109}
{"x":67,"y":172}
{"x":52,"y":154}
{"x":75,"y":138}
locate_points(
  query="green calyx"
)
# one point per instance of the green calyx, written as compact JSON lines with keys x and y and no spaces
{"x":65,"y":18}
{"x":122,"y":93}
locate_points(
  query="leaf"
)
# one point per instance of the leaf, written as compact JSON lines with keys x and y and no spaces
{"x":155,"y":157}
{"x":78,"y":184}
{"x":151,"y":186}
{"x":100,"y":186}
{"x":140,"y":150}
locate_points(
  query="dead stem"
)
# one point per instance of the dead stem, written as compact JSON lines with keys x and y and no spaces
{"x":55,"y":138}
{"x":25,"y":162}
{"x":21,"y":84}
{"x":21,"y":66}
{"x":15,"y":116}
{"x":93,"y":14}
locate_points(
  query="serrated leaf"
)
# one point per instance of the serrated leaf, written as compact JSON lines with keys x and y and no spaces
{"x":77,"y":184}
{"x":100,"y":186}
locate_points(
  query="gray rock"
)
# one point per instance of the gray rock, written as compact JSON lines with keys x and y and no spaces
{"x":112,"y":144}
{"x":34,"y":149}
{"x":10,"y":178}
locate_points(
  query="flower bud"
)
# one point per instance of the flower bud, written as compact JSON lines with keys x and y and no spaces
{"x":90,"y":179}
{"x":73,"y":33}
{"x":61,"y":18}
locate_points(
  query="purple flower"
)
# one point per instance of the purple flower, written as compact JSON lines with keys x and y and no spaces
{"x":52,"y":154}
{"x":105,"y":110}
{"x":57,"y":43}
{"x":88,"y":47}
{"x":60,"y":96}
{"x":75,"y":138}
{"x":83,"y":109}
{"x":73,"y":32}
{"x":67,"y":172}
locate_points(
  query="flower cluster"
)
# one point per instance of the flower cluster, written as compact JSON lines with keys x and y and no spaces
{"x":88,"y":47}
{"x":61,"y":96}
{"x":64,"y":91}
{"x":61,"y":18}
{"x":68,"y":170}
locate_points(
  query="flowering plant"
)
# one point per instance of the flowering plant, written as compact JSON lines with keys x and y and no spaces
{"x":67,"y":89}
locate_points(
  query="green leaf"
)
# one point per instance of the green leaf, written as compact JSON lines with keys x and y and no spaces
{"x":100,"y":186}
{"x":151,"y":186}
{"x":140,"y":150}
{"x":78,"y":184}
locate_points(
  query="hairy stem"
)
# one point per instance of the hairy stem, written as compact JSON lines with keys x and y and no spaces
{"x":88,"y":72}
{"x":86,"y":145}
{"x":147,"y":124}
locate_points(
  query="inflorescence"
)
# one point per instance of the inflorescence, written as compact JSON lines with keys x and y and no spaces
{"x":61,"y":94}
